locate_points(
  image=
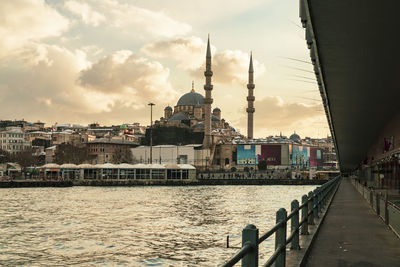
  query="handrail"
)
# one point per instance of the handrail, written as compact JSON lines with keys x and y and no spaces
{"x":310,"y":208}
{"x":270,"y":232}
{"x":238,"y":256}
{"x":272,"y":259}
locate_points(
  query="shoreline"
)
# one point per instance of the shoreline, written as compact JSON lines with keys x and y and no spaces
{"x":200,"y":182}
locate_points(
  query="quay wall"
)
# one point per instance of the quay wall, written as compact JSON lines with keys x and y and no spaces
{"x":148,"y":182}
{"x":34,"y":183}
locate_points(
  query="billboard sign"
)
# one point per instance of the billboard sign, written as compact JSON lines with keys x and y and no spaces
{"x":300,"y":155}
{"x":247,"y":155}
{"x":271,"y":154}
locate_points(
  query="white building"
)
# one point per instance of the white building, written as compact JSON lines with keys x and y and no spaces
{"x":14,"y":140}
{"x":167,"y":154}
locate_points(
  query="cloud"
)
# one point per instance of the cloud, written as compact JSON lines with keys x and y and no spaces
{"x":53,"y":83}
{"x":41,"y":81}
{"x":85,"y":12}
{"x":23,"y":21}
{"x":188,"y":51}
{"x":274,"y":115}
{"x":127,"y":18}
{"x":127,"y":74}
{"x":229,"y":66}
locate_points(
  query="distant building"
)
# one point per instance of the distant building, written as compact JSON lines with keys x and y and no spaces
{"x":166,"y":154}
{"x":14,"y":140}
{"x":106,"y":150}
{"x":50,"y":154}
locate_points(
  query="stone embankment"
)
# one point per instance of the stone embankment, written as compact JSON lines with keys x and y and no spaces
{"x":66,"y":183}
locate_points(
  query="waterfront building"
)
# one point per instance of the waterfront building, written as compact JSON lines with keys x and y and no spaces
{"x":167,"y":154}
{"x":14,"y":140}
{"x":124,"y":171}
{"x":107,"y":150}
{"x":50,"y":154}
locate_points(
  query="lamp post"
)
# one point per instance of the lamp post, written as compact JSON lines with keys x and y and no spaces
{"x":151,"y":132}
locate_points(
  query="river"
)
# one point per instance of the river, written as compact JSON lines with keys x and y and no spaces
{"x":135,"y":226}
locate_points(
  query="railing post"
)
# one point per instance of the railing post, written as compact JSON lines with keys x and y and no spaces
{"x":315,"y":203}
{"x":386,"y":209}
{"x":280,"y":238}
{"x":304,"y":212}
{"x":294,"y":225}
{"x":378,"y":205}
{"x":371,"y":199}
{"x":250,"y":236}
{"x":320,"y":195}
{"x":326,"y":194}
{"x":310,"y":207}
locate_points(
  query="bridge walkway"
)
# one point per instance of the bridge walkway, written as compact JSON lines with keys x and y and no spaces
{"x":353,"y":235}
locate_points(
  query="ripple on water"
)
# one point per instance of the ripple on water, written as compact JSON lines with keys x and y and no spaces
{"x":134,"y":226}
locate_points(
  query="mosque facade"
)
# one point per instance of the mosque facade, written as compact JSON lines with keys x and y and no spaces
{"x":189,"y":112}
{"x":193,"y":121}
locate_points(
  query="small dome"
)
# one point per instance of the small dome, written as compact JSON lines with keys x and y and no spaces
{"x":295,"y":137}
{"x":214,"y":118}
{"x":179,"y":117}
{"x":199,"y":125}
{"x":168,"y":108}
{"x":216,"y":110}
{"x":191,"y":99}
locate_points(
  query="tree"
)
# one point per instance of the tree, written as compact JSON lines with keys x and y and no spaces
{"x":25,"y":158}
{"x":67,"y":153}
{"x":262,"y":165}
{"x":4,"y":156}
{"x":123,"y":155}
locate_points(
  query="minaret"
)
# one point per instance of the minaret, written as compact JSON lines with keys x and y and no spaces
{"x":250,"y":100}
{"x":208,"y":100}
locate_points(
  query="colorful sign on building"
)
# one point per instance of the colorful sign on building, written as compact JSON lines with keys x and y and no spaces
{"x":300,"y":155}
{"x":315,"y":157}
{"x":271,"y":154}
{"x":247,"y":155}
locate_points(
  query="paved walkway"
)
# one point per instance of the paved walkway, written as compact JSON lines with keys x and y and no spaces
{"x":353,"y":235}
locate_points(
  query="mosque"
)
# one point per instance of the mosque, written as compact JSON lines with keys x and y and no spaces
{"x":191,"y":119}
{"x":190,"y":112}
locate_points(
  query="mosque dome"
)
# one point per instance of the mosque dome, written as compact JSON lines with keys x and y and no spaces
{"x":168,"y":108}
{"x":214,"y":118}
{"x":295,"y":137}
{"x":179,"y":117}
{"x":199,"y":125}
{"x":216,"y":110}
{"x":191,"y":99}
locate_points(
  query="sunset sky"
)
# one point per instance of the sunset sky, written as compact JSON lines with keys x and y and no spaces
{"x":104,"y":60}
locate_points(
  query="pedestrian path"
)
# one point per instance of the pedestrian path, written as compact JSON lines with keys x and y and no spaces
{"x":353,"y":235}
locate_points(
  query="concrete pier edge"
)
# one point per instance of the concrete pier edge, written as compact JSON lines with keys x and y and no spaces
{"x":150,"y":182}
{"x":299,"y":257}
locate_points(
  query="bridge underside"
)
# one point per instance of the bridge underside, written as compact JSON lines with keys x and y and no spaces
{"x":358,"y":51}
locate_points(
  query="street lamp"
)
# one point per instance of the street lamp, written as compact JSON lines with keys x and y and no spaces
{"x":151,"y":132}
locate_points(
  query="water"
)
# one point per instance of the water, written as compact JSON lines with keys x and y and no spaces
{"x":134,"y":226}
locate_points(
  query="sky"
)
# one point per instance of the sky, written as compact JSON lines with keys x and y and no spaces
{"x":79,"y":62}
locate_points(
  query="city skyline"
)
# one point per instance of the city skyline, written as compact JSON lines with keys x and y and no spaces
{"x":103,"y":61}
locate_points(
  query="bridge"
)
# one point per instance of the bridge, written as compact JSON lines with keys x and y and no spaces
{"x":355,"y":53}
{"x":355,"y":50}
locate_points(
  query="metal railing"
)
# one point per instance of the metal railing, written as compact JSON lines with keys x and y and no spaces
{"x":387,"y":210}
{"x":311,"y":207}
